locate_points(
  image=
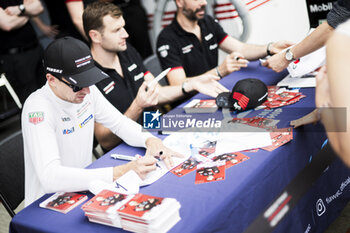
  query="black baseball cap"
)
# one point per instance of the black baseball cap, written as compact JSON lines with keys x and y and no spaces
{"x":248,"y":94}
{"x":71,"y":58}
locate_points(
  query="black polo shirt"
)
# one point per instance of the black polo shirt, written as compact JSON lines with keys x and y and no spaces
{"x":21,"y":37}
{"x":177,"y":48}
{"x":121,"y":91}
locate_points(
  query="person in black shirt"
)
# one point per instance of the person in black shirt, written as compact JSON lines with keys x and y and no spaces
{"x":189,"y":45}
{"x":20,"y":51}
{"x":126,"y":88}
{"x":136,"y":24}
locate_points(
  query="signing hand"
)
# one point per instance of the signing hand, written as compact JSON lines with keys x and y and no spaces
{"x":143,"y":165}
{"x":156,"y":149}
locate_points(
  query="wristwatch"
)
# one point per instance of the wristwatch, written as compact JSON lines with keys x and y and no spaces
{"x":22,"y":9}
{"x":289,"y":55}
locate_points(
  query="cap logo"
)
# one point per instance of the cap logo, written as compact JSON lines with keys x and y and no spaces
{"x":73,"y":80}
{"x":262,"y":97}
{"x":54,"y":70}
{"x":83,"y":61}
{"x":104,"y":73}
{"x":242,"y":99}
{"x":236,"y":106}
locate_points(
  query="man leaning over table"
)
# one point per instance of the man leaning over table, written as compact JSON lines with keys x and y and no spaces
{"x":58,"y":126}
{"x":126,"y":87}
{"x":189,"y":45}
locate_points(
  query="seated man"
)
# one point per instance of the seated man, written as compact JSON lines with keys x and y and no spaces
{"x":189,"y":45}
{"x":126,"y":88}
{"x":58,"y":126}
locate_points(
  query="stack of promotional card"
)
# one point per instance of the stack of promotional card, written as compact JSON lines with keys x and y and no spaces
{"x":63,"y":202}
{"x":135,"y":213}
{"x":103,"y":208}
{"x":145,"y":213}
{"x":201,"y":106}
{"x":281,"y":97}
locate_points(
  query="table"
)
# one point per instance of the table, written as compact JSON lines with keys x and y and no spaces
{"x":229,"y":205}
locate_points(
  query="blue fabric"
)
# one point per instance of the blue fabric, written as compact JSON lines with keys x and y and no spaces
{"x":229,"y":205}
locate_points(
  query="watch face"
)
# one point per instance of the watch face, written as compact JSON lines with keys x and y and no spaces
{"x":21,"y":7}
{"x":289,"y":55}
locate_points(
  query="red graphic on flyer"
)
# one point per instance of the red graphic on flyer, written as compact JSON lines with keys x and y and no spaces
{"x":63,"y":202}
{"x":186,"y":167}
{"x":231,"y":159}
{"x":279,"y":137}
{"x":207,"y":148}
{"x":205,"y":104}
{"x":103,"y":201}
{"x":284,"y":98}
{"x":140,"y":204}
{"x":209,"y":172}
{"x":259,"y":122}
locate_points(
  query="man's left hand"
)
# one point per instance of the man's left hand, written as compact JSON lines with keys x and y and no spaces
{"x":156,"y":149}
{"x":207,"y":84}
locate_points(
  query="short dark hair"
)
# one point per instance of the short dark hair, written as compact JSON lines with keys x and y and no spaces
{"x":94,"y":13}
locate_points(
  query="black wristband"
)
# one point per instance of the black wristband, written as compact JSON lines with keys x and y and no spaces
{"x":218,"y":73}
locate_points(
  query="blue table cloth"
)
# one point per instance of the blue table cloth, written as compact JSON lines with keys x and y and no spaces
{"x":229,"y":205}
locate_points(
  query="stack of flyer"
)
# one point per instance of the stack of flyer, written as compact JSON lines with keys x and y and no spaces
{"x":103,"y":208}
{"x":136,"y":213}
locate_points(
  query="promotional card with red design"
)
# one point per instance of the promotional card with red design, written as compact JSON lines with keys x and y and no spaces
{"x":281,"y":97}
{"x":139,"y":205}
{"x":186,"y":167}
{"x":279,"y":137}
{"x":201,"y":106}
{"x":259,"y":122}
{"x":207,"y":148}
{"x":252,"y":150}
{"x":104,"y":200}
{"x":63,"y":202}
{"x":231,"y":159}
{"x":210,"y":171}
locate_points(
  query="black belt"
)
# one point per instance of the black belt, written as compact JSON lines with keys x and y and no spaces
{"x":18,"y":50}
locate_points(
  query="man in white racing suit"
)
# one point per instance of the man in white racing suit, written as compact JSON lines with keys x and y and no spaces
{"x":58,"y":126}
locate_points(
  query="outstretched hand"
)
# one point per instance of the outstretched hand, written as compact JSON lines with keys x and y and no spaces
{"x":207,"y":84}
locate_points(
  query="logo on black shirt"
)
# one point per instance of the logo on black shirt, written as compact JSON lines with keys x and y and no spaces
{"x":163,"y":50}
{"x":187,"y":48}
